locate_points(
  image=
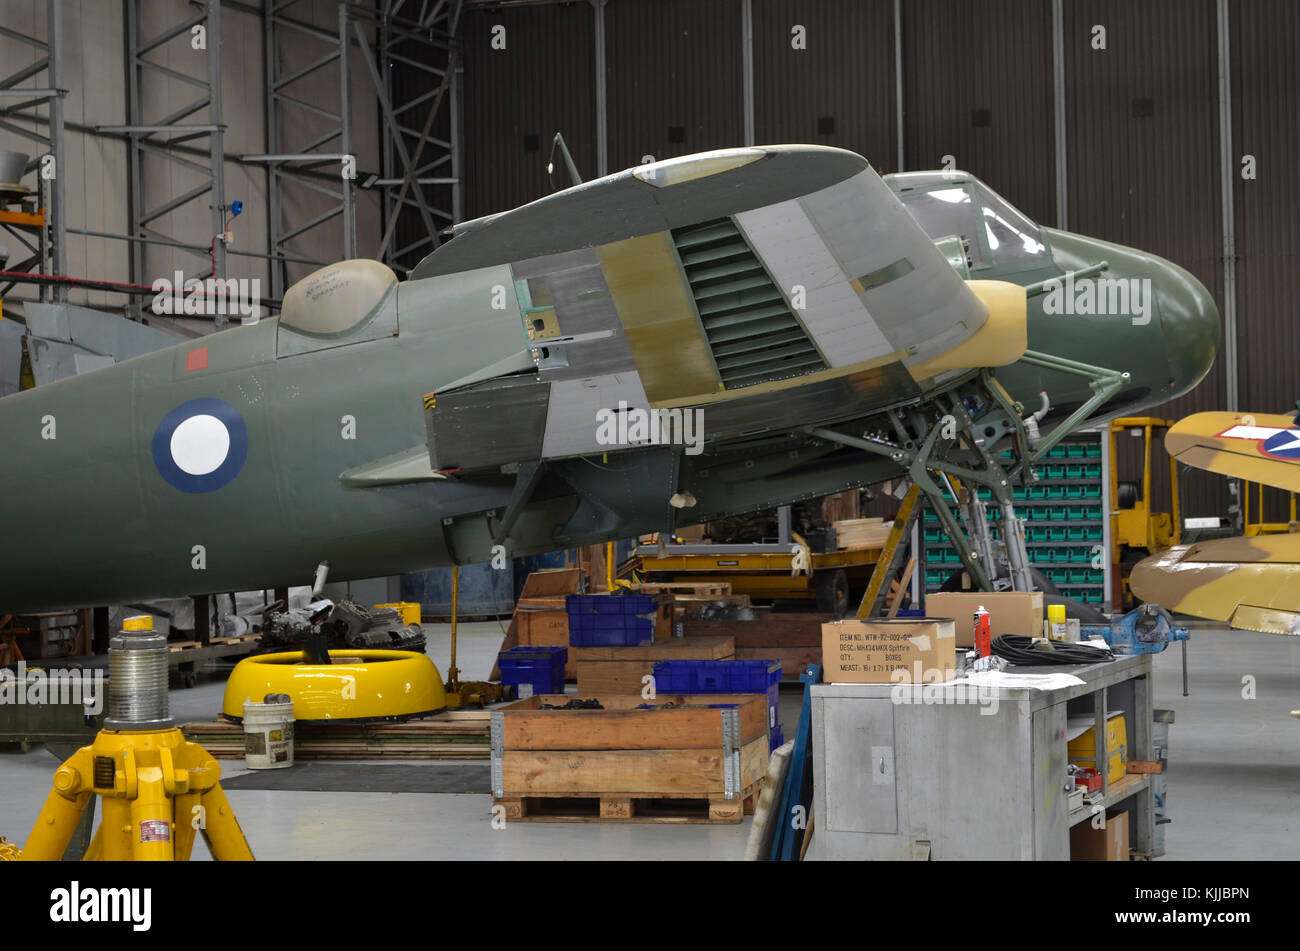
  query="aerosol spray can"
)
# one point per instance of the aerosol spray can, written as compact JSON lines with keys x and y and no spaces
{"x":983,"y":636}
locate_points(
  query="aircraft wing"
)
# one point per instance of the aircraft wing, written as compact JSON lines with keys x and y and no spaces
{"x":1261,"y":447}
{"x":1247,"y":583}
{"x":768,"y":286}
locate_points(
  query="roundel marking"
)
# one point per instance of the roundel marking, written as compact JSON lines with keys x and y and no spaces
{"x":200,"y":446}
{"x":1283,"y":445}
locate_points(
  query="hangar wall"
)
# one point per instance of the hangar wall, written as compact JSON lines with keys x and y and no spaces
{"x":97,"y":173}
{"x":1142,"y":124}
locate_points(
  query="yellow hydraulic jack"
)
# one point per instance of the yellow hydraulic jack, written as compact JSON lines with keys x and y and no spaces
{"x":158,"y":790}
{"x":470,"y":692}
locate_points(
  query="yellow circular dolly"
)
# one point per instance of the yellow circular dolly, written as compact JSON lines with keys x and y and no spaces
{"x":356,"y":686}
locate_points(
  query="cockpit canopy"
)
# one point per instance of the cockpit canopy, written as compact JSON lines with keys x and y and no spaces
{"x":958,"y":203}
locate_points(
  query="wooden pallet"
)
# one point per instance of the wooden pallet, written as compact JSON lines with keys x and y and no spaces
{"x":454,"y":734}
{"x":718,"y":589}
{"x":562,"y":807}
{"x":249,"y":639}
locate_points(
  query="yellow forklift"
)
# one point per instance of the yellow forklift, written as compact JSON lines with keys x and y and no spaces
{"x":1137,"y":531}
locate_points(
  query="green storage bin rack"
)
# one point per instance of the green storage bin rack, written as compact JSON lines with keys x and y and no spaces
{"x":1062,"y":514}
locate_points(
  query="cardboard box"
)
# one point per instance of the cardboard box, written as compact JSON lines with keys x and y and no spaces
{"x":1100,"y":845}
{"x":1010,"y":612}
{"x":869,"y":652}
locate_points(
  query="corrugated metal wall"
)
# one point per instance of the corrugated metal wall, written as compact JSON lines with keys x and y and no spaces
{"x":1142,"y":139}
{"x":977,"y":83}
{"x":674,"y":74}
{"x":839,"y":88}
{"x":1265,"y":38}
{"x":1142,"y":123}
{"x":516,"y":99}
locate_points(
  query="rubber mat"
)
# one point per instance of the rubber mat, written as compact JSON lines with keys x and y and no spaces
{"x":312,"y":776}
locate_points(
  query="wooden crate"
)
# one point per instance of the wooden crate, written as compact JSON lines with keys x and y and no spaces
{"x":619,"y":670}
{"x":622,"y":762}
{"x":794,"y":639}
{"x":862,"y":533}
{"x":539,"y":622}
{"x":546,"y":623}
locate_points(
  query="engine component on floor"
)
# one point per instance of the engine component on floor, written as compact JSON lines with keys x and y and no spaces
{"x":344,"y":624}
{"x":576,"y":704}
{"x":356,"y":685}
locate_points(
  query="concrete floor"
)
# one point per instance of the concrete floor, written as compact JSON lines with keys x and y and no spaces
{"x":1234,"y":776}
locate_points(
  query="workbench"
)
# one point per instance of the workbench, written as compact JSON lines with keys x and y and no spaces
{"x":936,"y":772}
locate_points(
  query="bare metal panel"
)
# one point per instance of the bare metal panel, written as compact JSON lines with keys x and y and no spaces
{"x":488,"y":426}
{"x":788,"y":242}
{"x":94,"y":331}
{"x":55,"y":360}
{"x":571,"y":424}
{"x":860,"y":796}
{"x":927,"y":310}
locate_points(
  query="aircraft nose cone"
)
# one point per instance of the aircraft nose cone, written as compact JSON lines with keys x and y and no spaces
{"x":1189,"y":319}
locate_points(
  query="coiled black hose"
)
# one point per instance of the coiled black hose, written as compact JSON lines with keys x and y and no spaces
{"x":1018,"y":649}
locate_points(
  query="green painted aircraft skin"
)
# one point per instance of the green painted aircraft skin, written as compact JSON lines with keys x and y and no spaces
{"x":88,"y":518}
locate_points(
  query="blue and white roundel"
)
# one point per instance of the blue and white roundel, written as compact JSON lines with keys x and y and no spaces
{"x":201,"y":445}
{"x":1284,"y":445}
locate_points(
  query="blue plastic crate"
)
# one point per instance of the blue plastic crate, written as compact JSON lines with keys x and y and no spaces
{"x":724,"y":676}
{"x":718,"y":676}
{"x":609,"y":630}
{"x":609,"y":604}
{"x":542,"y":668}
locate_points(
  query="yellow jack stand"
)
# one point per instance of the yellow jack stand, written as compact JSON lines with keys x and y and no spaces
{"x":157,"y":790}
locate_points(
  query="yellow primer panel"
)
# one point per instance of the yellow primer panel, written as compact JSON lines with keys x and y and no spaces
{"x":1250,"y":582}
{"x":1002,"y":339}
{"x":654,"y":305}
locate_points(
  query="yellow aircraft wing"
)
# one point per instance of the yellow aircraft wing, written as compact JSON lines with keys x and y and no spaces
{"x":1260,"y":447}
{"x":1247,"y":583}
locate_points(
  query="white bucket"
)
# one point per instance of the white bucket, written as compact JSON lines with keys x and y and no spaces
{"x":268,"y":734}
